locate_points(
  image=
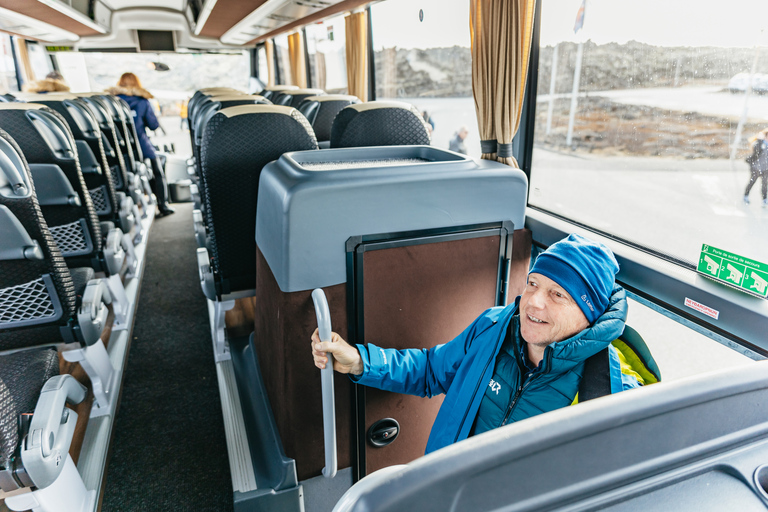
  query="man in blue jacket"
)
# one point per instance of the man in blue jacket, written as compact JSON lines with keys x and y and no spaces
{"x":512,"y":362}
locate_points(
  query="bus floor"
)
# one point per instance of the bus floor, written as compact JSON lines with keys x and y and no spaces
{"x":169,"y":451}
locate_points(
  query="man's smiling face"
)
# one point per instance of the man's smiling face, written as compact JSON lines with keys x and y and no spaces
{"x":548,"y":314}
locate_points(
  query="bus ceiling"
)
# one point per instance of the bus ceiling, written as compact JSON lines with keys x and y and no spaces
{"x":162,"y":25}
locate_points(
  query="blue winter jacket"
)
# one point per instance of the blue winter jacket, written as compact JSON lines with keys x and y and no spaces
{"x":463,"y":368}
{"x":143,"y":116}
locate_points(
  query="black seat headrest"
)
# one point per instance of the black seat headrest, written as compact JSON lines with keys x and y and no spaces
{"x":379,"y":123}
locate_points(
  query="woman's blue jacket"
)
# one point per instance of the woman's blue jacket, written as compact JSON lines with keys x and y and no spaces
{"x":463,"y":368}
{"x":143,"y":116}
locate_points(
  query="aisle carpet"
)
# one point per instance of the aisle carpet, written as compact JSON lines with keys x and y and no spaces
{"x":169,"y":451}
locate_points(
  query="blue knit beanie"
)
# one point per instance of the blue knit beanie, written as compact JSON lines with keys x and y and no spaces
{"x":585,"y":269}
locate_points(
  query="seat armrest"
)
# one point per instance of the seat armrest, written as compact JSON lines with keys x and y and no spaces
{"x":194,"y":192}
{"x":206,"y":273}
{"x":126,"y":215}
{"x":201,"y":235}
{"x":92,"y":315}
{"x":114,"y":254}
{"x":51,"y":430}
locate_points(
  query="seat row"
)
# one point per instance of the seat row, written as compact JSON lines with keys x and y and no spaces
{"x":393,"y":233}
{"x":235,"y":136}
{"x":75,"y":208}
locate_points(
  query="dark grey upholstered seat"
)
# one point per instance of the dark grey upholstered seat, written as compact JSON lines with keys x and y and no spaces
{"x":86,"y":131}
{"x":195,"y":108}
{"x":110,"y":139}
{"x":379,"y":123}
{"x":22,"y":376}
{"x":120,"y":122}
{"x":272,"y":91}
{"x":237,"y":143}
{"x":320,"y":111}
{"x":45,"y":138}
{"x":294,"y":97}
{"x":205,"y":114}
{"x":38,"y":300}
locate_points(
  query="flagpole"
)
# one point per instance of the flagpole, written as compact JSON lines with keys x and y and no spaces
{"x":576,"y":73}
{"x":552,"y":81}
{"x":574,"y":94}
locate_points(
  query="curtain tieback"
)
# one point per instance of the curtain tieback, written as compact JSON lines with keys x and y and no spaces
{"x":504,"y":151}
{"x":488,"y":146}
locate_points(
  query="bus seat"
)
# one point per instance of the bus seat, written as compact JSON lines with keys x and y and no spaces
{"x":379,"y":123}
{"x":204,"y":115}
{"x":271,"y":91}
{"x":355,"y":223}
{"x":130,"y":195}
{"x":110,"y":141}
{"x":44,"y":139}
{"x":320,"y":111}
{"x":42,"y":302}
{"x":294,"y":97}
{"x":237,"y":143}
{"x":120,"y":121}
{"x":22,"y":376}
{"x":92,"y":156}
{"x":32,"y":403}
{"x":193,"y":111}
{"x":62,"y":192}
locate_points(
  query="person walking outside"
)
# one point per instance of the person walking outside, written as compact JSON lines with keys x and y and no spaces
{"x":129,"y":89}
{"x":758,"y":165}
{"x":457,"y":142}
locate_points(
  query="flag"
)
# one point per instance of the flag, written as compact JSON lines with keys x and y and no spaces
{"x":579,"y":18}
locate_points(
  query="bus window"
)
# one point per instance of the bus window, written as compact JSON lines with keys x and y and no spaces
{"x":644,"y":120}
{"x":422,"y":55}
{"x":39,"y":60}
{"x":326,"y":45}
{"x":187,"y":73}
{"x":8,"y":81}
{"x":283,"y":59}
{"x":263,"y":64}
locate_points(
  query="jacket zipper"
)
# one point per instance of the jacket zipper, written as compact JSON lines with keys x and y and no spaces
{"x":521,"y":388}
{"x":479,"y":382}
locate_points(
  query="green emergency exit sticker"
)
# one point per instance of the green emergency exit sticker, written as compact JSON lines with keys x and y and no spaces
{"x":744,"y":273}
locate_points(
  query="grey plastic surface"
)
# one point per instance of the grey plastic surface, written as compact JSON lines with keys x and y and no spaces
{"x":326,"y":382}
{"x":50,"y":432}
{"x":92,"y":316}
{"x":52,"y":186}
{"x":88,"y":162}
{"x":305,"y":217}
{"x":53,"y":132}
{"x":694,"y":443}
{"x":16,"y":242}
{"x":14,"y":181}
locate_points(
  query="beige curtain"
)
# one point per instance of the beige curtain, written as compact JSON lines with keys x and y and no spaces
{"x":356,"y":26}
{"x":501,"y":42}
{"x":296,"y":57}
{"x":269,"y":48}
{"x":26,"y":66}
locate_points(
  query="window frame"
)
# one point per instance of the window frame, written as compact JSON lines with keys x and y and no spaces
{"x":659,"y":281}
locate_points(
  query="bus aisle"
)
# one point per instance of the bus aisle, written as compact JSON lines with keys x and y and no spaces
{"x":169,"y":450}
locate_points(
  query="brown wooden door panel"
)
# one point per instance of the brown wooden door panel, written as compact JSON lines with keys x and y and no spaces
{"x":419,"y":296}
